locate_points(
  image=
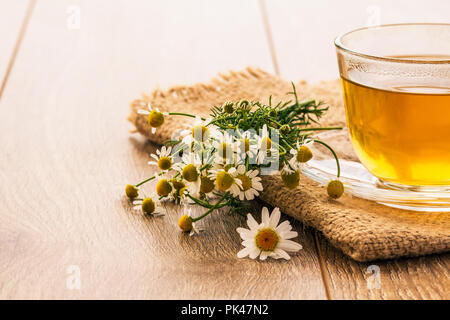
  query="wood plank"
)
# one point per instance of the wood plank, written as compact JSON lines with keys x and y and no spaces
{"x":68,"y":155}
{"x":304,"y":31}
{"x":302,"y":35}
{"x":425,"y":277}
{"x":12,"y":15}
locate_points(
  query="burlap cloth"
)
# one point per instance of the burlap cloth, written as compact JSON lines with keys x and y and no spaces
{"x":362,"y":229}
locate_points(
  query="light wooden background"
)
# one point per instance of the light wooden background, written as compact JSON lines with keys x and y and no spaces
{"x":66,"y":153}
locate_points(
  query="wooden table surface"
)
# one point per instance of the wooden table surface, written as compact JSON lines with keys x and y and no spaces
{"x":66,"y":153}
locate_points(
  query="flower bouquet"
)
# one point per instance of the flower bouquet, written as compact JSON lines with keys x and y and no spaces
{"x":218,"y":163}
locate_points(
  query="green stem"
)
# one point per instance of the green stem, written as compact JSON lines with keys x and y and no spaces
{"x":334,"y":155}
{"x":199,"y":202}
{"x":147,"y":180}
{"x":184,"y":114}
{"x":216,"y":206}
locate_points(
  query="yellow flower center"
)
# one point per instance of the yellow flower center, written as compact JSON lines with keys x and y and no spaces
{"x":224,"y":181}
{"x":148,"y":206}
{"x":246,"y":181}
{"x":163,"y":188}
{"x":185,"y":223}
{"x":131,"y":191}
{"x":335,"y":189}
{"x":190,"y":173}
{"x":206,"y":185}
{"x":304,"y":154}
{"x":164,"y":163}
{"x":155,"y":119}
{"x":177,"y":184}
{"x":266,"y":239}
{"x":291,"y":180}
{"x":266,"y":143}
{"x":200,"y":133}
{"x":224,"y":149}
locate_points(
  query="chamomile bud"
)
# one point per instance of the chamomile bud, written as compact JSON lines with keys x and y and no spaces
{"x":335,"y":189}
{"x":177,"y":184}
{"x":164,"y":163}
{"x":190,"y":173}
{"x":273,"y":113}
{"x":185,"y":223}
{"x":206,"y":185}
{"x":228,"y":107}
{"x":304,"y":154}
{"x":163,"y":188}
{"x":131,"y":191}
{"x":291,"y":179}
{"x":285,"y":129}
{"x":224,"y":181}
{"x":244,"y":103}
{"x":148,"y":206}
{"x":156,"y":119}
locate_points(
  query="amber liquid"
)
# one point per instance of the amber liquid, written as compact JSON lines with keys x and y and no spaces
{"x":401,"y":133}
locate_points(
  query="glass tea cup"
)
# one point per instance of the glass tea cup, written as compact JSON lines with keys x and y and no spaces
{"x":396,"y":83}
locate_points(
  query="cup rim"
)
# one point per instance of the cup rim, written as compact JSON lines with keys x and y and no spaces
{"x":338,"y":43}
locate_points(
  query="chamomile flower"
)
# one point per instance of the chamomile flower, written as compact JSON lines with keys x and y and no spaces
{"x":290,"y":167}
{"x":155,"y":117}
{"x":163,"y":158}
{"x":226,"y":180}
{"x":186,"y":224}
{"x":131,"y":191}
{"x":268,"y":239}
{"x":250,"y":184}
{"x":189,"y":167}
{"x":149,"y":206}
{"x":302,"y":153}
{"x":290,"y":178}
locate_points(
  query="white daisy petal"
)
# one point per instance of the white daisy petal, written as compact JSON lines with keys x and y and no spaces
{"x":265,"y":216}
{"x":289,"y":234}
{"x":274,"y":218}
{"x":282,"y":254}
{"x":284,"y":226}
{"x":244,"y":252}
{"x":290,"y":245}
{"x":251,"y":222}
{"x":254,"y":253}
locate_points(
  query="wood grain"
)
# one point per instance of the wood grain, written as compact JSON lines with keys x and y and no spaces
{"x":413,"y":278}
{"x":12,"y":19}
{"x":66,"y":156}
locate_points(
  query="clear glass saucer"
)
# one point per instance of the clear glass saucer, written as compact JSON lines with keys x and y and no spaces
{"x":359,"y":182}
